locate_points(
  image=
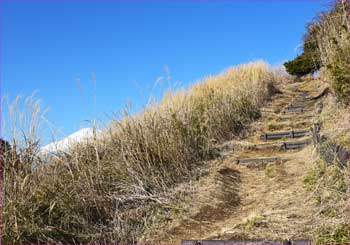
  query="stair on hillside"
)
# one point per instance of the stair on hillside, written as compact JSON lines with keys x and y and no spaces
{"x":298,"y":106}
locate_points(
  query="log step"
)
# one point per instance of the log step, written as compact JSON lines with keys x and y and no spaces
{"x":291,"y":118}
{"x":295,"y":145}
{"x":295,"y":106}
{"x":296,"y":110}
{"x":298,"y":104}
{"x":245,"y":242}
{"x":288,"y":134}
{"x":285,"y":145}
{"x":258,"y":160}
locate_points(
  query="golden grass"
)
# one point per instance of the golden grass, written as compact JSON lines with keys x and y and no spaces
{"x":333,"y":182}
{"x":330,"y":183}
{"x":333,"y":35}
{"x":112,"y":188}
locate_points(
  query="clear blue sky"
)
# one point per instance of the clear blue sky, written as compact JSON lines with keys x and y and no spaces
{"x":49,"y":45}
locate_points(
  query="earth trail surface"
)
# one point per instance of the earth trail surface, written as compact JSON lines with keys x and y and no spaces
{"x":256,"y":190}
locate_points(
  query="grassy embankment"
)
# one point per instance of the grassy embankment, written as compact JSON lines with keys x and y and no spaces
{"x":135,"y":172}
{"x":330,"y":182}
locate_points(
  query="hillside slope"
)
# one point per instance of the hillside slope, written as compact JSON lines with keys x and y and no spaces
{"x":115,"y":186}
{"x":262,"y":200}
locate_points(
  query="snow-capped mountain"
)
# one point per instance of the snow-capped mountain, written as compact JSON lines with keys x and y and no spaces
{"x":83,"y":135}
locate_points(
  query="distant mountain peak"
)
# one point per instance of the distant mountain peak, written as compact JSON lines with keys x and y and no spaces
{"x":79,"y":136}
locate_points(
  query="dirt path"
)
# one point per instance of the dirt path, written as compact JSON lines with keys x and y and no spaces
{"x":261,"y":200}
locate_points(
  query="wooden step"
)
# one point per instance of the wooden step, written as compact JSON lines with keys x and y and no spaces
{"x":246,"y":242}
{"x":295,"y":110}
{"x":288,"y":134}
{"x":288,"y":126}
{"x":285,"y":145}
{"x":295,"y":105}
{"x":257,"y":160}
{"x":294,"y":117}
{"x":301,"y":102}
{"x":296,"y":144}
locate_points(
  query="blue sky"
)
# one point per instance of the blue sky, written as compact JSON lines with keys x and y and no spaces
{"x":52,"y":46}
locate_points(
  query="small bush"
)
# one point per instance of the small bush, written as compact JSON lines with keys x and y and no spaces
{"x":310,"y":60}
{"x":301,"y":65}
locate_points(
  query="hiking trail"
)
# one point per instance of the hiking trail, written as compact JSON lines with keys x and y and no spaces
{"x":255,"y":190}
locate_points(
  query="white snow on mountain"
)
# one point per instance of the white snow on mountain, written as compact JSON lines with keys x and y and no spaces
{"x":81,"y":136}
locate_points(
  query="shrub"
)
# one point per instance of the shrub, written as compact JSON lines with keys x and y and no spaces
{"x":309,"y":61}
{"x":301,"y":65}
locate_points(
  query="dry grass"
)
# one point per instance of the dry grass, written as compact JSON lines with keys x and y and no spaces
{"x":135,"y":172}
{"x":268,"y":202}
{"x":330,"y":183}
{"x":336,"y":118}
{"x":333,"y":35}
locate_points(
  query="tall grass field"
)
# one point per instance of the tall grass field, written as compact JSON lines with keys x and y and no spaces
{"x":110,"y":188}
